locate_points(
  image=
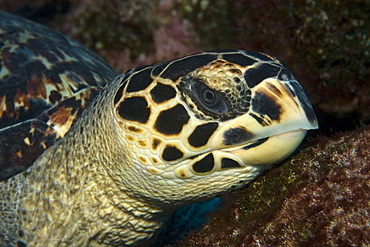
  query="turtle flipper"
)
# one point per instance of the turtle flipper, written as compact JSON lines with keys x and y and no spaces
{"x":21,"y":144}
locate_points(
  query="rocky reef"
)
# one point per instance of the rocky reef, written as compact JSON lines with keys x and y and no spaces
{"x":318,"y":197}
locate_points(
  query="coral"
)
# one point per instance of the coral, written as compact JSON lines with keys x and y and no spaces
{"x":212,"y":23}
{"x":319,"y":197}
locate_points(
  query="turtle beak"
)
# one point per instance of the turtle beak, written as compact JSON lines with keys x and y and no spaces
{"x":281,"y":106}
{"x":278,"y":107}
{"x":298,"y":95}
{"x":274,"y":126}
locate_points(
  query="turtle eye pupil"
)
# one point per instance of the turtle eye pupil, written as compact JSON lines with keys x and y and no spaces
{"x":209,"y":98}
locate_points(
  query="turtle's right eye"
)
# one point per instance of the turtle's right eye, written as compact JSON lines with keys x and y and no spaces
{"x":208,"y":98}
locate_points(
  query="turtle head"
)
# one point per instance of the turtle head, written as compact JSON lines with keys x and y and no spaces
{"x":206,"y":123}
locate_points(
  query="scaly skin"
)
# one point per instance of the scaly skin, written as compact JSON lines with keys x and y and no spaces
{"x":70,"y":197}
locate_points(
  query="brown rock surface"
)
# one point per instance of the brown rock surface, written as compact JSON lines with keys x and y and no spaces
{"x":318,"y":197}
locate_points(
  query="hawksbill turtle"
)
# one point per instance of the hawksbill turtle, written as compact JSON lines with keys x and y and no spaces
{"x":92,"y":158}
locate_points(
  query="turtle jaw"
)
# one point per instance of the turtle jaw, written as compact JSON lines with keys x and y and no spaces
{"x":270,"y":150}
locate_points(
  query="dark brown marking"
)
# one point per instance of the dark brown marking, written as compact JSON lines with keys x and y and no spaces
{"x":265,"y":105}
{"x":171,"y":153}
{"x":156,"y":143}
{"x":201,"y":134}
{"x":237,"y":80}
{"x":204,"y":165}
{"x":140,"y":80}
{"x":134,"y":129}
{"x":154,"y":171}
{"x":181,"y":67}
{"x":229,"y":163}
{"x":142,"y":143}
{"x":239,"y":59}
{"x":182,"y":174}
{"x":274,"y":89}
{"x":254,"y":76}
{"x":256,"y":143}
{"x":134,"y":109}
{"x":236,"y":135}
{"x":54,"y":97}
{"x":171,"y":122}
{"x":61,"y":116}
{"x":235,"y":71}
{"x":260,"y":120}
{"x":161,"y":93}
{"x":130,"y":138}
{"x":36,"y":87}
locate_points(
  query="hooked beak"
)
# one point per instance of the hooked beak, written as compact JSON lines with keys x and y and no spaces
{"x":276,"y":124}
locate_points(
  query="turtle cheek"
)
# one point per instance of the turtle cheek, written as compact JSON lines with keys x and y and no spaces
{"x":134,"y":109}
{"x":171,"y":122}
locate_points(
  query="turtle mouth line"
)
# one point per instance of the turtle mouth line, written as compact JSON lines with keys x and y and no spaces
{"x":263,"y":151}
{"x":268,"y":150}
{"x":239,"y":146}
{"x":255,"y":143}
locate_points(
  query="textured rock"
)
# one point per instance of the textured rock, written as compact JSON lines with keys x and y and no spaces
{"x":318,"y":197}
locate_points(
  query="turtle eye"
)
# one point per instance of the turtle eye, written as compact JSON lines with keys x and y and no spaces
{"x":209,"y":98}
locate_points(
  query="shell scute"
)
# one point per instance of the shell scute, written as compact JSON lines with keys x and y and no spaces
{"x":46,"y":81}
{"x":21,"y":144}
